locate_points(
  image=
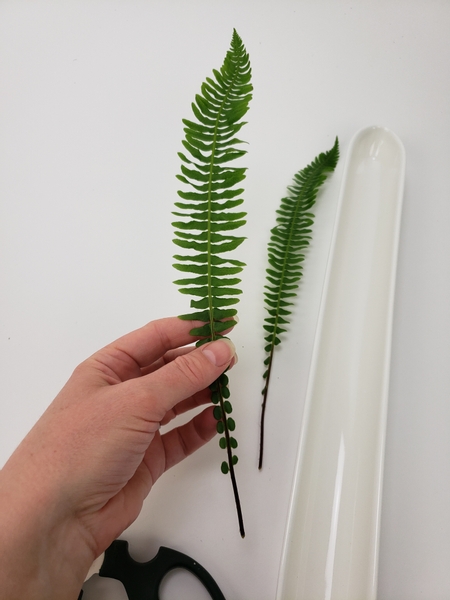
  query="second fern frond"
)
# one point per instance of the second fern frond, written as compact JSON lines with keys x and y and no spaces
{"x":288,"y":241}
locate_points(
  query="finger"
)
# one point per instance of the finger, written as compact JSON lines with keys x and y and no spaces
{"x":199,"y":399}
{"x":177,"y":340}
{"x":172,"y":448}
{"x":124,"y":358}
{"x":186,"y":439}
{"x":153,"y":340}
{"x":183,"y":377}
{"x":167,"y":358}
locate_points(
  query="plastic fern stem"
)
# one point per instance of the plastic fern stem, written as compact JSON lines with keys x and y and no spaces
{"x":272,"y":349}
{"x":231,"y":466}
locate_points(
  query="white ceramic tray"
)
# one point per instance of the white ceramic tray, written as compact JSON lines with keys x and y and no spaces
{"x":332,"y":538}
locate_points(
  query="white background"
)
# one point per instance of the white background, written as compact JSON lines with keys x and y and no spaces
{"x":92,"y":94}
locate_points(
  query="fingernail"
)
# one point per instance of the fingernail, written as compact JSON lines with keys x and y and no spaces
{"x":220,"y":353}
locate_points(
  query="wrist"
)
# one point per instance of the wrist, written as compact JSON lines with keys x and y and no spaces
{"x":43,"y":554}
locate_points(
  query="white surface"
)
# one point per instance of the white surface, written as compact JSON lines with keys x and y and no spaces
{"x":96,"y":566}
{"x":91,"y":99}
{"x":331,"y":546}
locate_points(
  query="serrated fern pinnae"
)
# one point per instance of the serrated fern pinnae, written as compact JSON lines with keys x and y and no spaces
{"x":286,"y":253}
{"x":209,"y":211}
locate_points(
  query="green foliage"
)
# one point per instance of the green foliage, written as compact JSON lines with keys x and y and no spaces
{"x":286,"y":253}
{"x":209,"y":211}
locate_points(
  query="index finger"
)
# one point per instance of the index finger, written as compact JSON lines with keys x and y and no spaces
{"x":148,"y":343}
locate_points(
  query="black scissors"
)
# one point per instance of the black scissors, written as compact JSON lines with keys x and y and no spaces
{"x":142,"y":580}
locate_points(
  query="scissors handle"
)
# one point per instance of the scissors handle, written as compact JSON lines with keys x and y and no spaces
{"x":142,"y":580}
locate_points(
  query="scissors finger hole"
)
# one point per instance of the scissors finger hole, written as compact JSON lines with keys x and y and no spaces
{"x":180,"y":583}
{"x":104,"y":588}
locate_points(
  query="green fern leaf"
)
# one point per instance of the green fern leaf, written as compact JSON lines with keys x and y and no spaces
{"x":209,"y":219}
{"x":286,"y":253}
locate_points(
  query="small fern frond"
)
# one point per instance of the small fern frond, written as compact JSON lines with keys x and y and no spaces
{"x":286,"y":253}
{"x":209,"y":213}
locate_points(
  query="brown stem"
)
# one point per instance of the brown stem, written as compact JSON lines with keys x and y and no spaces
{"x":263,"y":413}
{"x":230,"y":464}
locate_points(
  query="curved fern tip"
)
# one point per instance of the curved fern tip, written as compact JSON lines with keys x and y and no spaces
{"x":286,"y":252}
{"x":333,"y":154}
{"x":236,"y":36}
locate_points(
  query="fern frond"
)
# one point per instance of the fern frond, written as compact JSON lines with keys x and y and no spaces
{"x":209,"y":218}
{"x":286,"y":253}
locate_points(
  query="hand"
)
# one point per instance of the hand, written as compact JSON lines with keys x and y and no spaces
{"x":81,"y":475}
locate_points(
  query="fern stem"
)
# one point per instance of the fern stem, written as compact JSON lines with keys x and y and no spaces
{"x":231,"y":465}
{"x":211,"y":306}
{"x":272,"y":349}
{"x":206,"y":208}
{"x":263,"y":412}
{"x":213,"y":155}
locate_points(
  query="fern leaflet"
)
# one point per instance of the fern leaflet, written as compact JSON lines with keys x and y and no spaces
{"x":208,"y":208}
{"x":288,"y":241}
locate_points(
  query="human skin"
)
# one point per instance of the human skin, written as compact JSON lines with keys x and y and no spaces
{"x":81,"y":475}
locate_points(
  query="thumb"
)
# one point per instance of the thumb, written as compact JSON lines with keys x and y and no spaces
{"x":187,"y":374}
